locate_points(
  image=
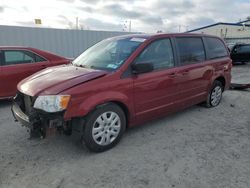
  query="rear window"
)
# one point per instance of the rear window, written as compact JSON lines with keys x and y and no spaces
{"x":191,"y":50}
{"x":216,"y":48}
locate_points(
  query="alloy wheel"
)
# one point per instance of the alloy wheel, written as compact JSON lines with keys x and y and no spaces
{"x":216,"y":96}
{"x":106,"y":128}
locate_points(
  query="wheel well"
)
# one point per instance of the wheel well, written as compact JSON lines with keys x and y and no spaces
{"x":124,"y":108}
{"x":222,"y":80}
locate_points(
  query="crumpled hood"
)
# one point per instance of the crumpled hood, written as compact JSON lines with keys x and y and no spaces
{"x":57,"y":79}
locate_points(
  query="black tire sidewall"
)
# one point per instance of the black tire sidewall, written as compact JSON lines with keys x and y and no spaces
{"x":91,"y":118}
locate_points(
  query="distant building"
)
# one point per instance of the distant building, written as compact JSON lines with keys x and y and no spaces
{"x":230,"y":32}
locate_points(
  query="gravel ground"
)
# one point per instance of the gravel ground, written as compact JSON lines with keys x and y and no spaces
{"x":241,"y":74}
{"x":197,"y":147}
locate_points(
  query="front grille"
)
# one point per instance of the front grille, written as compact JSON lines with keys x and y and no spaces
{"x":25,"y":102}
{"x":28,"y":104}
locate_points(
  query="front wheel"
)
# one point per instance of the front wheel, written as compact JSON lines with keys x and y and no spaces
{"x":215,"y":95}
{"x":104,"y":127}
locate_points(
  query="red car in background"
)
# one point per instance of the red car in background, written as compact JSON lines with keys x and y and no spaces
{"x":17,"y":63}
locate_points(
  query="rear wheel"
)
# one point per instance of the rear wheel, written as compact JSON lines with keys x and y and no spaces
{"x":104,"y":127}
{"x":215,"y":95}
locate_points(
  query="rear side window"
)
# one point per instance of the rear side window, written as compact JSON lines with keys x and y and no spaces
{"x":216,"y":48}
{"x":191,"y":50}
{"x":39,"y":58}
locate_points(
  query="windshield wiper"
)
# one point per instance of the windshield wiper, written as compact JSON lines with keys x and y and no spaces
{"x":89,"y":67}
{"x":94,"y":67}
{"x":82,"y":66}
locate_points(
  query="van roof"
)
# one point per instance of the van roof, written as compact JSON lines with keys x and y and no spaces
{"x":159,"y":35}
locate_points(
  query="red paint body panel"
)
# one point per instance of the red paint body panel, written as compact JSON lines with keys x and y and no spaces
{"x":64,"y":77}
{"x":10,"y":75}
{"x":90,"y":94}
{"x":145,"y":96}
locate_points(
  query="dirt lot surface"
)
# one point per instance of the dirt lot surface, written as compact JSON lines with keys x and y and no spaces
{"x":195,"y":148}
{"x":241,"y":74}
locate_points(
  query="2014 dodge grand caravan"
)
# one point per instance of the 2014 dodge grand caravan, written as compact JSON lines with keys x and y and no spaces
{"x":124,"y":81}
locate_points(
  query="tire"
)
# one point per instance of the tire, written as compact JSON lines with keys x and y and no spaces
{"x":215,"y":95}
{"x":104,"y":127}
{"x":67,"y":129}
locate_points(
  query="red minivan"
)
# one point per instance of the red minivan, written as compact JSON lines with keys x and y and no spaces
{"x":124,"y":81}
{"x":17,"y":63}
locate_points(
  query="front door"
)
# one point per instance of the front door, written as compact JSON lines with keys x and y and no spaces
{"x":155,"y":92}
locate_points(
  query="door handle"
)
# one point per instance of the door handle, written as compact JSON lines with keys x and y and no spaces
{"x":185,"y":72}
{"x":43,"y":66}
{"x":172,"y":75}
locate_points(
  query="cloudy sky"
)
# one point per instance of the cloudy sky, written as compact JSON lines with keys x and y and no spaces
{"x":145,"y":16}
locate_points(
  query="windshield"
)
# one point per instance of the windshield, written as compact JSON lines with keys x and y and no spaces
{"x":109,"y":54}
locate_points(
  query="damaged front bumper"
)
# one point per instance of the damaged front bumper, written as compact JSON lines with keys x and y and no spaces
{"x":20,"y":116}
{"x":38,"y":122}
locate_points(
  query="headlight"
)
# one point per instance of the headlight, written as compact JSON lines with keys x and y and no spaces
{"x":52,"y":103}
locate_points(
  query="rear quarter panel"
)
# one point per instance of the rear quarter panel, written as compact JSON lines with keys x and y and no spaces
{"x":222,"y":68}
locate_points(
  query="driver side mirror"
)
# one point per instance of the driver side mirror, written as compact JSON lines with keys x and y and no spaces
{"x":139,"y":68}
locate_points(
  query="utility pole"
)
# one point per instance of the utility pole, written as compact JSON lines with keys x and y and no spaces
{"x":129,"y":25}
{"x":180,"y":26}
{"x":77,"y":23}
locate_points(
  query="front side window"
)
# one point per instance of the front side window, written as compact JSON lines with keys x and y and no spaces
{"x":191,"y":50}
{"x":13,"y":57}
{"x":109,"y":54}
{"x":159,"y":53}
{"x":216,"y":48}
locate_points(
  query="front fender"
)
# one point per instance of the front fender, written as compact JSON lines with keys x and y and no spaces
{"x":81,"y":107}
